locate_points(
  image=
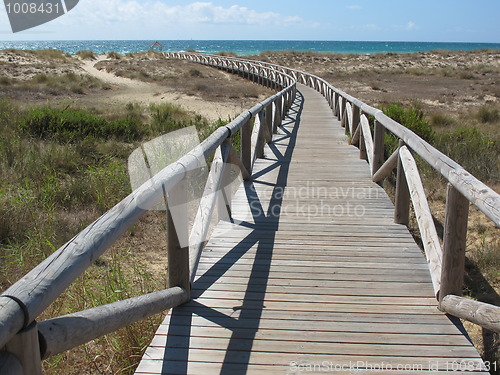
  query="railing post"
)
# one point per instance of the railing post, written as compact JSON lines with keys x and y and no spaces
{"x":454,"y":244}
{"x":283,"y":108}
{"x":277,"y":114}
{"x":402,"y":204}
{"x":24,"y":347}
{"x":336,"y":106}
{"x":378,"y":147}
{"x":178,"y":237}
{"x":269,"y":118}
{"x":362,"y":145}
{"x":246,"y":144}
{"x":9,"y":364}
{"x":356,"y":115}
{"x":224,"y":198}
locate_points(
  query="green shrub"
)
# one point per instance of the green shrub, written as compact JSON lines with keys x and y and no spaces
{"x":442,"y":120}
{"x":4,"y":81}
{"x":70,"y":125}
{"x":476,"y":152}
{"x":195,"y":73}
{"x":167,"y":117}
{"x":488,"y":115}
{"x":413,"y":118}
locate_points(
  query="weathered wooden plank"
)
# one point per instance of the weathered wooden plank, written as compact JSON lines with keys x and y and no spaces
{"x":273,"y":358}
{"x":326,"y":331}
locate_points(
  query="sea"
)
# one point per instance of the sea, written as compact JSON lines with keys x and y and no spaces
{"x":247,"y":47}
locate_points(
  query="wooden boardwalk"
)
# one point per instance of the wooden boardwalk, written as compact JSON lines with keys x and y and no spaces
{"x":313,"y":275}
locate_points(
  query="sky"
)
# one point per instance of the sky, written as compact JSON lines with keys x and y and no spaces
{"x":357,"y":20}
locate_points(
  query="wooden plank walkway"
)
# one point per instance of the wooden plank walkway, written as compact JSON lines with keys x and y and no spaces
{"x":312,"y":276}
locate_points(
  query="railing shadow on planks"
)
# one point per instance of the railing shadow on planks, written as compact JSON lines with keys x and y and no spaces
{"x":24,"y":342}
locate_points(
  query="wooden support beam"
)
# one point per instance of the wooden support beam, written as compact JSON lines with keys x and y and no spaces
{"x":178,"y":237}
{"x":336,"y":111}
{"x":343,"y":120}
{"x":423,"y":214}
{"x":257,"y":140}
{"x":355,"y":138}
{"x":368,"y":140}
{"x":356,"y":116}
{"x":72,"y":330}
{"x":278,"y":113}
{"x":454,"y":246}
{"x":344,"y":114}
{"x":206,"y":208}
{"x":480,"y":313}
{"x":224,"y":196}
{"x":246,"y":145}
{"x":362,"y":143}
{"x":378,"y":147}
{"x":349,"y":123}
{"x":402,"y":200}
{"x":9,"y":364}
{"x":235,"y":159}
{"x":385,"y":170}
{"x":25,"y":346}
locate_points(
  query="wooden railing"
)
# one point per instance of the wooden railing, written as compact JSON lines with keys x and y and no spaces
{"x":447,"y":262}
{"x":24,"y":342}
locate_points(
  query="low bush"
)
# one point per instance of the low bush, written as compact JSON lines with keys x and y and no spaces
{"x":474,"y":150}
{"x":70,"y":125}
{"x":442,"y":120}
{"x":488,"y":115}
{"x":413,"y":118}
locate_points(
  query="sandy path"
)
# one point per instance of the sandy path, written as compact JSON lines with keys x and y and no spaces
{"x":125,"y":90}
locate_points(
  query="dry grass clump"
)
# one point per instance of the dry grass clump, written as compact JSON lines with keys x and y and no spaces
{"x":114,"y":55}
{"x":53,"y":84}
{"x":86,"y":55}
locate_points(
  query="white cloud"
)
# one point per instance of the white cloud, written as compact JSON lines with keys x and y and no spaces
{"x":354,"y":7}
{"x":411,"y":26}
{"x":90,"y":12}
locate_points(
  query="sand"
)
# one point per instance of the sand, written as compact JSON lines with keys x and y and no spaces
{"x":126,"y":90}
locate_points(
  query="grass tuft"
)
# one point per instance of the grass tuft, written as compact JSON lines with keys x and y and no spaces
{"x":412,"y":117}
{"x":488,"y":115}
{"x":114,"y":55}
{"x":86,"y":55}
{"x":477,"y":152}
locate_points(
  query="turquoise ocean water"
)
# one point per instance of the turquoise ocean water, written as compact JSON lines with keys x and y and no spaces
{"x":247,"y":47}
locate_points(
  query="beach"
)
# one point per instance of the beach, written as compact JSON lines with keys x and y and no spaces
{"x":440,"y":80}
{"x":452,"y":91}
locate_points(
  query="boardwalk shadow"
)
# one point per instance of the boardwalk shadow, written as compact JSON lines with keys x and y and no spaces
{"x":244,"y":326}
